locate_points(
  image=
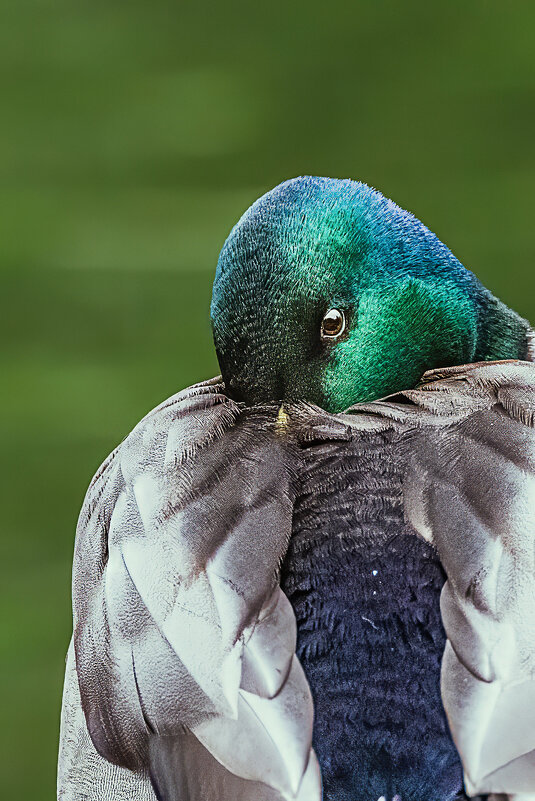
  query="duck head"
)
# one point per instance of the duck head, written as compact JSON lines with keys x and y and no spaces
{"x":327,"y":292}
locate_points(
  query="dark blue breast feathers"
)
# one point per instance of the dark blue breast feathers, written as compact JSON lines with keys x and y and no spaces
{"x":366,"y":593}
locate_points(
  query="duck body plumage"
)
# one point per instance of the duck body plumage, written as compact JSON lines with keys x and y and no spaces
{"x":181,"y":629}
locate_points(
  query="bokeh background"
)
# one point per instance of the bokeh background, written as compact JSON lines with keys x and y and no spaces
{"x":132,"y":136}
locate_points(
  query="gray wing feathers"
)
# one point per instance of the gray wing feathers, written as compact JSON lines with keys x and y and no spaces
{"x":470,"y":489}
{"x":184,"y":641}
{"x":83,"y":774}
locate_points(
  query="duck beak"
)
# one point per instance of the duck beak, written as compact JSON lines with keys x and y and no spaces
{"x":282,"y":418}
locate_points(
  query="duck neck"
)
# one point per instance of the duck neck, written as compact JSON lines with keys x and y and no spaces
{"x":503,"y":334}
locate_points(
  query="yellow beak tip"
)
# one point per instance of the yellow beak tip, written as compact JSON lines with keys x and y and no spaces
{"x":282,"y":417}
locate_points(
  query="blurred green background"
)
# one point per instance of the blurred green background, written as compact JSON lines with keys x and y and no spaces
{"x":133,"y":135}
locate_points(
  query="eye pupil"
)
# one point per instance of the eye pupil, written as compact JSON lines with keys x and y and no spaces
{"x":333,"y":324}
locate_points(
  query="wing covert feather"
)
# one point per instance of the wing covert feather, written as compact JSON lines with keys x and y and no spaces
{"x":182,"y":635}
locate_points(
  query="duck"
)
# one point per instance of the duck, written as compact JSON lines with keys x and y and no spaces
{"x":312,"y":576}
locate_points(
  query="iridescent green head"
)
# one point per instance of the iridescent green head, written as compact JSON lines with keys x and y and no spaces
{"x":326,"y":291}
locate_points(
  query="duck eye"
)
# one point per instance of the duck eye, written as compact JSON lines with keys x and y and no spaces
{"x":333,"y":324}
